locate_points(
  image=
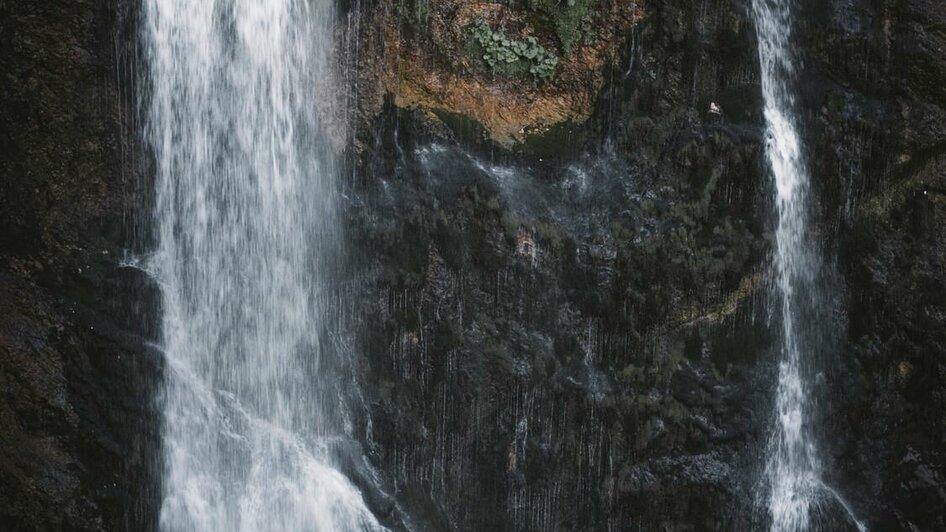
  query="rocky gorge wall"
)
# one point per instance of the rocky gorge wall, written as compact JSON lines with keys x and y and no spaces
{"x":557,"y":283}
{"x":544,"y":358}
{"x":570,"y":332}
{"x":77,"y":380}
{"x":875,"y":99}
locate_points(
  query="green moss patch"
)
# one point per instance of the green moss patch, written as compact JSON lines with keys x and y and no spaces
{"x":570,"y":19}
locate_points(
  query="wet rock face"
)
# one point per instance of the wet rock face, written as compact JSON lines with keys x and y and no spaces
{"x":875,"y":90}
{"x":77,"y":422}
{"x":575,"y":337}
{"x":563,"y":338}
{"x":563,"y":330}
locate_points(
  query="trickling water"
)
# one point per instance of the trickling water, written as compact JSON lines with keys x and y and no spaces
{"x":793,"y":469}
{"x":244,"y":219}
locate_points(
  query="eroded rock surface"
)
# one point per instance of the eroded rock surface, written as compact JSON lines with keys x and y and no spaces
{"x":77,"y":419}
{"x":572,"y":334}
{"x":423,"y":54}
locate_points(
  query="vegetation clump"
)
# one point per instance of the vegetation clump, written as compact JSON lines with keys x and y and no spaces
{"x":569,"y":18}
{"x":511,"y":57}
{"x":420,"y":11}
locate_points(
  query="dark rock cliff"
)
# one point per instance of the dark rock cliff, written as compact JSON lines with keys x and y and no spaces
{"x":876,"y":100}
{"x":561,"y":304}
{"x":572,"y":334}
{"x":77,"y":422}
{"x":565,"y":338}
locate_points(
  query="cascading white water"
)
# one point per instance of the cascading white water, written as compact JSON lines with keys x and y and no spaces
{"x":244,"y":221}
{"x":793,"y":468}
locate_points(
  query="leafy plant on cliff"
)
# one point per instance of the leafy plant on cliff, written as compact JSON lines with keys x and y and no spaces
{"x":414,"y":13}
{"x":511,"y":57}
{"x":569,"y":18}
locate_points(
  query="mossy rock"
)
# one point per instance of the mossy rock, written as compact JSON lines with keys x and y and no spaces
{"x":561,"y":141}
{"x":464,"y":128}
{"x":568,"y":18}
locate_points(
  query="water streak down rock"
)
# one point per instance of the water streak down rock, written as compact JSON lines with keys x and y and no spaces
{"x":793,"y":469}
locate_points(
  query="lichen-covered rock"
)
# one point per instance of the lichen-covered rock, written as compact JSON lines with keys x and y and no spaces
{"x":425,"y":55}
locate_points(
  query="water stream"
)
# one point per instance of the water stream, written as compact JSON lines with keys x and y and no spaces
{"x":245,"y":227}
{"x":794,"y":468}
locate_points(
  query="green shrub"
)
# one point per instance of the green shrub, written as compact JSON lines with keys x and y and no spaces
{"x":569,"y":18}
{"x":511,"y":57}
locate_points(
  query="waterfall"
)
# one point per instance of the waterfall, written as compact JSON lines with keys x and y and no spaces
{"x":245,"y":227}
{"x":793,"y":468}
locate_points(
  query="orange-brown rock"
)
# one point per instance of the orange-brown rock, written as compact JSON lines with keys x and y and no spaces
{"x":427,"y":66}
